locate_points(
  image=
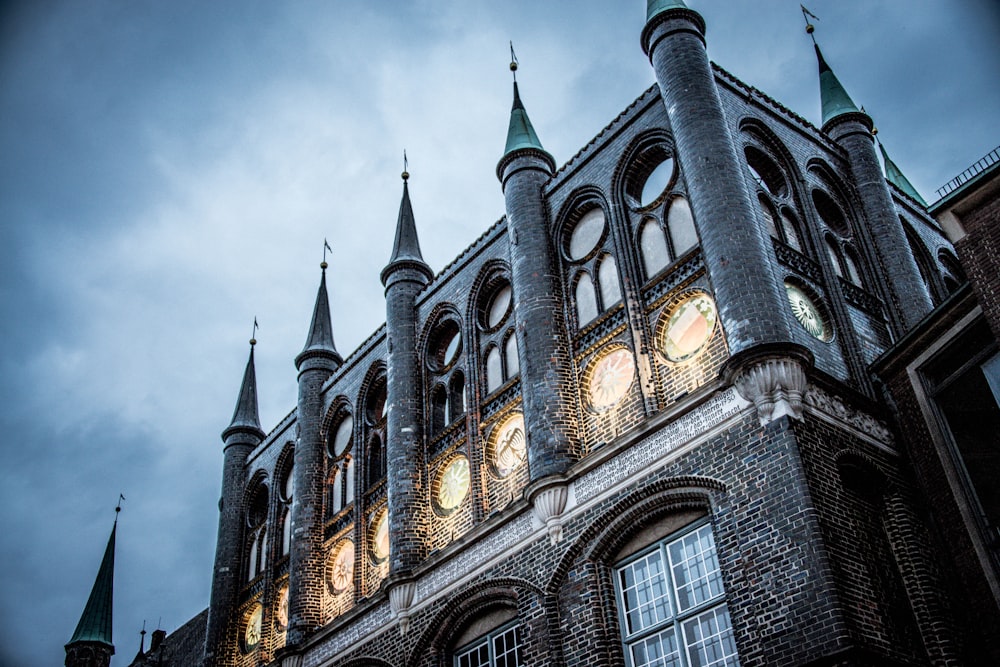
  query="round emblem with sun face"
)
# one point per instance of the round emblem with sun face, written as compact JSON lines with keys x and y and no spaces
{"x":251,"y":631}
{"x":453,"y":484}
{"x":507,"y":444}
{"x":342,"y":567}
{"x":689,"y":326}
{"x":610,"y":378}
{"x":283,"y":608}
{"x":380,"y":536}
{"x":807,"y":312}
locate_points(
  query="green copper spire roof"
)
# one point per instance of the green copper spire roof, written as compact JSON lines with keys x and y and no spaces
{"x":834,"y":99}
{"x":654,"y":7}
{"x":95,"y":624}
{"x":520,"y":133}
{"x":895,"y":176}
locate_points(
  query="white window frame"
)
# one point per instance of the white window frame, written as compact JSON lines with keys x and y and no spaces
{"x":663,"y":613}
{"x":489,"y":641}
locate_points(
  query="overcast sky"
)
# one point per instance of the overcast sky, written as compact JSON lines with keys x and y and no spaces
{"x":169,"y":170}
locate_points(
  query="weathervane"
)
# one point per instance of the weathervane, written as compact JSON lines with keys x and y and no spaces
{"x":810,"y":28}
{"x":326,"y":246}
{"x":253,"y":334}
{"x":406,"y":167}
{"x":513,"y":62}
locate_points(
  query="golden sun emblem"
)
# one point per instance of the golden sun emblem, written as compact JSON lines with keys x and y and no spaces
{"x":251,"y":636}
{"x":283,"y":607}
{"x":380,"y":533}
{"x":806,"y":312}
{"x":509,"y":445}
{"x":453,"y":484}
{"x":342,"y":567}
{"x":610,"y":378}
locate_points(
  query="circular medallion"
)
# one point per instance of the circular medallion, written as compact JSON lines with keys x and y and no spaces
{"x":807,"y":312}
{"x":251,"y":633}
{"x":342,"y":567}
{"x":379,"y":535}
{"x":507,"y":444}
{"x":283,"y":608}
{"x":610,"y":378}
{"x":453,"y":483}
{"x":689,"y":325}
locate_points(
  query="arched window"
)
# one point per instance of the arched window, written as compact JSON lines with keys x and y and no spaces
{"x":286,"y":532}
{"x":257,"y":541}
{"x":456,"y":396}
{"x":336,"y":486}
{"x":376,"y":460}
{"x":439,"y":409}
{"x":512,"y":365}
{"x":680,"y":223}
{"x":774,"y":197}
{"x":853,"y":265}
{"x":653,"y":244}
{"x":494,"y":369}
{"x":349,"y":481}
{"x":790,"y":230}
{"x":586,"y":299}
{"x":607,"y":278}
{"x":834,"y":251}
{"x":954,"y":275}
{"x":340,"y":447}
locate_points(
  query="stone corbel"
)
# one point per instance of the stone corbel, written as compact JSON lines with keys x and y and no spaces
{"x":291,"y":660}
{"x":775,"y":385}
{"x":548,"y":499}
{"x":402,"y":595}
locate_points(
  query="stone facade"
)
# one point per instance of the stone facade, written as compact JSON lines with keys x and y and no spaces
{"x":620,"y":370}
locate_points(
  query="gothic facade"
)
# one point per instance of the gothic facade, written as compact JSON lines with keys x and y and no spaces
{"x":634,"y":423}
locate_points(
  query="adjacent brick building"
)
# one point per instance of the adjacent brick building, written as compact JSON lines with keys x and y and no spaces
{"x":634,"y":423}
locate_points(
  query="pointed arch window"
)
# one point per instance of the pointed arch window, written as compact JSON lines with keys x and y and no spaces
{"x":256,"y":519}
{"x":376,"y":460}
{"x":833,"y":251}
{"x":439,"y":409}
{"x":607,"y":278}
{"x":494,"y":369}
{"x":774,"y":197}
{"x":340,"y":449}
{"x":680,"y":224}
{"x":853,"y":265}
{"x":653,"y":245}
{"x":286,"y":532}
{"x":456,"y":396}
{"x":496,"y":329}
{"x":512,"y":366}
{"x":445,"y":374}
{"x":586,"y":299}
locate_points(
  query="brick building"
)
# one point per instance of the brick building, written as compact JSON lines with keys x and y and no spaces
{"x":634,"y":423}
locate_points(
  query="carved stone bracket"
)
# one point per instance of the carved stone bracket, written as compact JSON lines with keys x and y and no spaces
{"x":401,"y":598}
{"x":548,"y":499}
{"x":836,"y":408}
{"x":775,"y":386}
{"x":291,"y":660}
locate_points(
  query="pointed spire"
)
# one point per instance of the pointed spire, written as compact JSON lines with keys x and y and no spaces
{"x":896,"y":177}
{"x":834,"y":99}
{"x":654,"y":7}
{"x":520,"y":133}
{"x":245,"y":416}
{"x":142,"y":644}
{"x":406,"y":248}
{"x":320,"y":339}
{"x":95,"y":623}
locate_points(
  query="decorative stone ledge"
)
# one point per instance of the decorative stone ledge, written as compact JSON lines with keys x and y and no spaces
{"x":548,"y":499}
{"x":775,"y":385}
{"x":402,"y":595}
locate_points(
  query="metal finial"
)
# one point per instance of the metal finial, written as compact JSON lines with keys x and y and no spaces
{"x":253,"y":334}
{"x":513,"y":62}
{"x":118,"y":507}
{"x":406,"y":167}
{"x":326,"y":246}
{"x":810,"y":28}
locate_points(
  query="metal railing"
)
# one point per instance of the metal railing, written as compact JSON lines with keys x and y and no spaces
{"x":979,"y":167}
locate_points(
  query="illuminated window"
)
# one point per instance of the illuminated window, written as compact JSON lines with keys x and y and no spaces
{"x":340,"y":448}
{"x":672,"y":606}
{"x":500,"y":648}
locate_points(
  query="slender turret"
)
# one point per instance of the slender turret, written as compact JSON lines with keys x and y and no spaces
{"x":542,"y":339}
{"x":318,"y":360}
{"x":91,"y":645}
{"x":240,"y":438}
{"x":404,"y":277}
{"x":902,"y":289}
{"x":734,"y":246}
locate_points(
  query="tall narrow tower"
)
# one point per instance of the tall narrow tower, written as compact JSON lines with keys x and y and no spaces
{"x":316,"y":363}
{"x":404,"y":277}
{"x":905,"y":295}
{"x":542,"y":342}
{"x":734,"y":246}
{"x":240,"y":438}
{"x":91,"y":645}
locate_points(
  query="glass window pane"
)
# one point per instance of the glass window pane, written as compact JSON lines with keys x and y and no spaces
{"x":342,"y":438}
{"x":586,"y":300}
{"x":586,"y":234}
{"x":765,"y":209}
{"x":656,"y":182}
{"x":498,"y":306}
{"x":681,"y":226}
{"x":506,"y":649}
{"x":349,"y":482}
{"x":510,"y":352}
{"x":607,"y":276}
{"x":494,"y":372}
{"x":659,"y":650}
{"x":695,"y":568}
{"x":653,"y":243}
{"x":831,"y":248}
{"x":709,"y":639}
{"x":789,"y":229}
{"x":644,"y":593}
